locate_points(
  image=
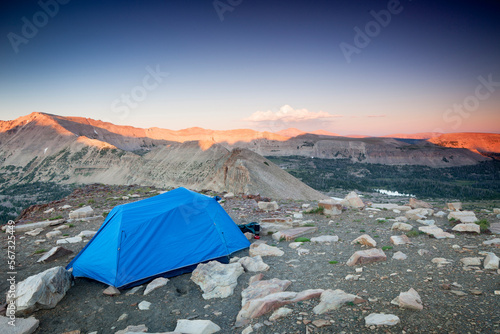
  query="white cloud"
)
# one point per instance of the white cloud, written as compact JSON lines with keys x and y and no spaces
{"x":288,"y":114}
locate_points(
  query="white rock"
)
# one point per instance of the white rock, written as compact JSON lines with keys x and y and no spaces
{"x":400,"y":240}
{"x":34,"y":232}
{"x":303,"y":251}
{"x":417,"y":214}
{"x":253,"y":264}
{"x":84,"y":212}
{"x":64,"y":207}
{"x":87,"y":234}
{"x":463,"y":216}
{"x":428,"y":222}
{"x":229,"y":195}
{"x":401,"y":227}
{"x":217,"y":280}
{"x":332,"y":300}
{"x":41,"y":291}
{"x":440,"y":261}
{"x":52,"y":234}
{"x":494,"y":242}
{"x":264,"y":250}
{"x":399,"y":256}
{"x":155,"y":284}
{"x":436,"y":232}
{"x":268,"y":206}
{"x":410,"y":300}
{"x":298,"y":215}
{"x":467,"y":228}
{"x":440,"y":214}
{"x":491,"y":261}
{"x":401,"y":219}
{"x":377,"y":319}
{"x":196,"y":327}
{"x":61,"y":227}
{"x":325,"y":239}
{"x":144,"y":305}
{"x":294,"y":245}
{"x":352,"y":200}
{"x":72,"y":240}
{"x":49,"y":210}
{"x":384,"y":206}
{"x":351,"y":277}
{"x":22,"y":326}
{"x":280,"y":313}
{"x":455,"y":206}
{"x":247,"y":330}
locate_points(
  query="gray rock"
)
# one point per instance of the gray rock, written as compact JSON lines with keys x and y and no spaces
{"x":72,"y":240}
{"x":52,"y":234}
{"x":155,"y":284}
{"x":84,"y":212}
{"x":133,"y":329}
{"x":332,"y":300}
{"x":436,"y":232}
{"x":41,"y":291}
{"x":427,"y":222}
{"x":21,"y":326}
{"x":400,"y":240}
{"x":196,"y":327}
{"x":87,"y":234}
{"x":253,"y":264}
{"x":378,"y":319}
{"x":53,"y":254}
{"x":493,"y":242}
{"x":352,"y":200}
{"x":410,"y":300}
{"x":416,"y":214}
{"x":471,"y":261}
{"x":268,"y":206}
{"x":217,"y":280}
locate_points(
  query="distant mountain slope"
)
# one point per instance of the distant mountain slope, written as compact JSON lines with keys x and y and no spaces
{"x":293,"y":132}
{"x":487,"y":144}
{"x":41,"y":147}
{"x":421,"y":135}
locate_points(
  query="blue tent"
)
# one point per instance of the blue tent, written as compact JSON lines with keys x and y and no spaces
{"x":165,"y":235}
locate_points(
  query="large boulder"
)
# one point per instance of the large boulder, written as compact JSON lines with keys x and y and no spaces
{"x":416,"y":204}
{"x":463,"y":216}
{"x":436,"y":232}
{"x":417,"y":214}
{"x":217,"y":280}
{"x":268,"y":206}
{"x":330,"y":207}
{"x":84,"y":212}
{"x":410,"y":300}
{"x":253,"y":264}
{"x":365,"y":240}
{"x":471,"y":227}
{"x":352,"y":200}
{"x":41,"y":291}
{"x":264,"y":250}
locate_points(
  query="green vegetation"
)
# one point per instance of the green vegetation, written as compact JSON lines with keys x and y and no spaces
{"x":309,"y":225}
{"x":386,"y":248}
{"x":362,"y":231}
{"x":105,"y":214}
{"x":71,"y":225}
{"x":91,"y":201}
{"x":476,"y":182}
{"x":318,"y":210}
{"x":39,"y":251}
{"x":484,"y":225}
{"x":333,"y":262}
{"x":56,"y":217}
{"x":302,"y":239}
{"x":412,"y":233}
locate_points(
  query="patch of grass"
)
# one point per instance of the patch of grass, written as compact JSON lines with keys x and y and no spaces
{"x":333,"y":262}
{"x":71,"y":225}
{"x":452,"y":220}
{"x":302,"y":239}
{"x":318,"y":210}
{"x":357,"y":220}
{"x":91,"y":201}
{"x":381,"y":221}
{"x":412,"y":233}
{"x":81,"y":204}
{"x":40,"y":251}
{"x":309,"y":225}
{"x":484,"y":225}
{"x":386,"y":248}
{"x":66,"y":235}
{"x":56,"y":217}
{"x":376,"y":236}
{"x":362,"y":231}
{"x":389,"y":218}
{"x":105,"y":214}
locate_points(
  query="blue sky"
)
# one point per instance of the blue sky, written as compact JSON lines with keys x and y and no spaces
{"x":267,"y":65}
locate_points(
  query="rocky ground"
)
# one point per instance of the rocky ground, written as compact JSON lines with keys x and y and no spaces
{"x":455,"y":298}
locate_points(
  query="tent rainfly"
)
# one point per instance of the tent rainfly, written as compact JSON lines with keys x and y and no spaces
{"x":161,"y":236}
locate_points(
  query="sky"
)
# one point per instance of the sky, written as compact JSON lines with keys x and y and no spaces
{"x":349,"y":67}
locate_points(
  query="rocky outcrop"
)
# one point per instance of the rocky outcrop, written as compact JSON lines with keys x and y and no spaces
{"x":217,"y":280}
